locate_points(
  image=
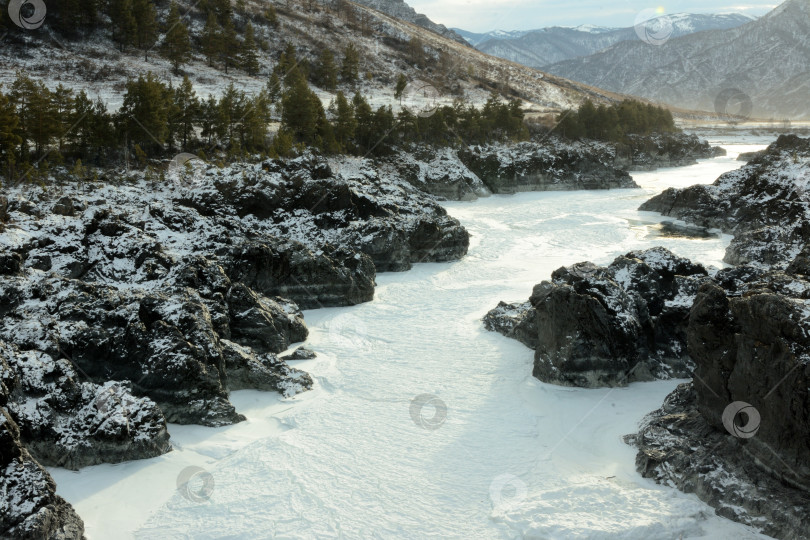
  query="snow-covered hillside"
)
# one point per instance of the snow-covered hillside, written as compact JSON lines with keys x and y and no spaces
{"x":95,"y":64}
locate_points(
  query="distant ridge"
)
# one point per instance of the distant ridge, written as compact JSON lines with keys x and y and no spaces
{"x":546,"y":46}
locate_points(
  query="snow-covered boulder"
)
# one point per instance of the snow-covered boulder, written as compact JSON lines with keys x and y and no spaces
{"x":30,"y":507}
{"x":548,"y":166}
{"x":67,"y":422}
{"x":650,"y":152}
{"x":765,"y":204}
{"x":439,"y":172}
{"x":596,"y":326}
{"x":738,"y":436}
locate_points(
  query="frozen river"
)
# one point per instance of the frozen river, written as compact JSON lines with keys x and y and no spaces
{"x":422,"y":424}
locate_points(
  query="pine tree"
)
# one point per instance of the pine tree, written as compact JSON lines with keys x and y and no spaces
{"x":271,"y":16}
{"x":402,"y":83}
{"x":33,"y":103}
{"x":256,"y":121}
{"x":229,"y":45}
{"x":172,"y":116}
{"x":345,"y":122}
{"x":350,"y":68}
{"x":209,"y":119}
{"x":325,"y":73}
{"x":287,"y":68}
{"x":146,"y":19}
{"x":62,"y":106}
{"x":211,"y":38}
{"x":187,"y":109}
{"x":176,"y":44}
{"x":73,"y":16}
{"x":224,"y":11}
{"x":232,"y":109}
{"x":300,"y":111}
{"x":9,"y":121}
{"x":124,"y":25}
{"x":364,"y":133}
{"x":144,"y":114}
{"x":249,"y":58}
{"x":273,"y":87}
{"x":81,"y":135}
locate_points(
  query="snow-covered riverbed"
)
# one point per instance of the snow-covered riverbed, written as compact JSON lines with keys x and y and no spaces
{"x":493,"y":453}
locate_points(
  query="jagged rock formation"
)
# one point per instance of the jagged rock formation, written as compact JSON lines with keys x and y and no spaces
{"x":764,"y":204}
{"x":65,"y":422}
{"x":553,"y":164}
{"x":531,"y":167}
{"x":743,"y":333}
{"x":748,"y":337}
{"x":29,"y":507}
{"x":765,"y":60}
{"x":438,"y":172}
{"x":175,"y":293}
{"x":596,"y":326}
{"x":647,"y":153}
{"x":130,"y":304}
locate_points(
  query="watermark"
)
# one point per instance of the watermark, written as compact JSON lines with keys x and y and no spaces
{"x":742,"y":420}
{"x":348,"y":332}
{"x":428,"y":411}
{"x":733,"y":105}
{"x":187,"y":170}
{"x":195,"y":484}
{"x":653,"y":27}
{"x":423,"y":97}
{"x":507,"y":491}
{"x":27,"y":14}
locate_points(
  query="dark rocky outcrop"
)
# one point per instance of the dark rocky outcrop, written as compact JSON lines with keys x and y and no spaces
{"x":127,"y":305}
{"x":29,"y":507}
{"x":264,"y":324}
{"x":248,"y":370}
{"x":439,"y":172}
{"x":326,"y":278}
{"x":748,"y":335}
{"x":750,"y":156}
{"x":739,"y":435}
{"x":538,"y":167}
{"x":764,"y":204}
{"x":517,"y":321}
{"x":605,"y":326}
{"x":336,"y":210}
{"x":67,"y":423}
{"x":678,"y":447}
{"x":650,"y":152}
{"x":166,"y":343}
{"x":553,"y":164}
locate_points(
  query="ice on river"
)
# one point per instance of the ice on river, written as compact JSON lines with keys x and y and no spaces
{"x":422,"y":424}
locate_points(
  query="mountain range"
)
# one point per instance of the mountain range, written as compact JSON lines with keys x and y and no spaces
{"x":542,"y":47}
{"x":762,"y":66}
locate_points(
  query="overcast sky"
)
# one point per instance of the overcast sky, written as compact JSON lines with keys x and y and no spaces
{"x":485,"y":15}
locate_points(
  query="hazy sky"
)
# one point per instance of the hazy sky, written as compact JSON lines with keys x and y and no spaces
{"x":485,"y":15}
